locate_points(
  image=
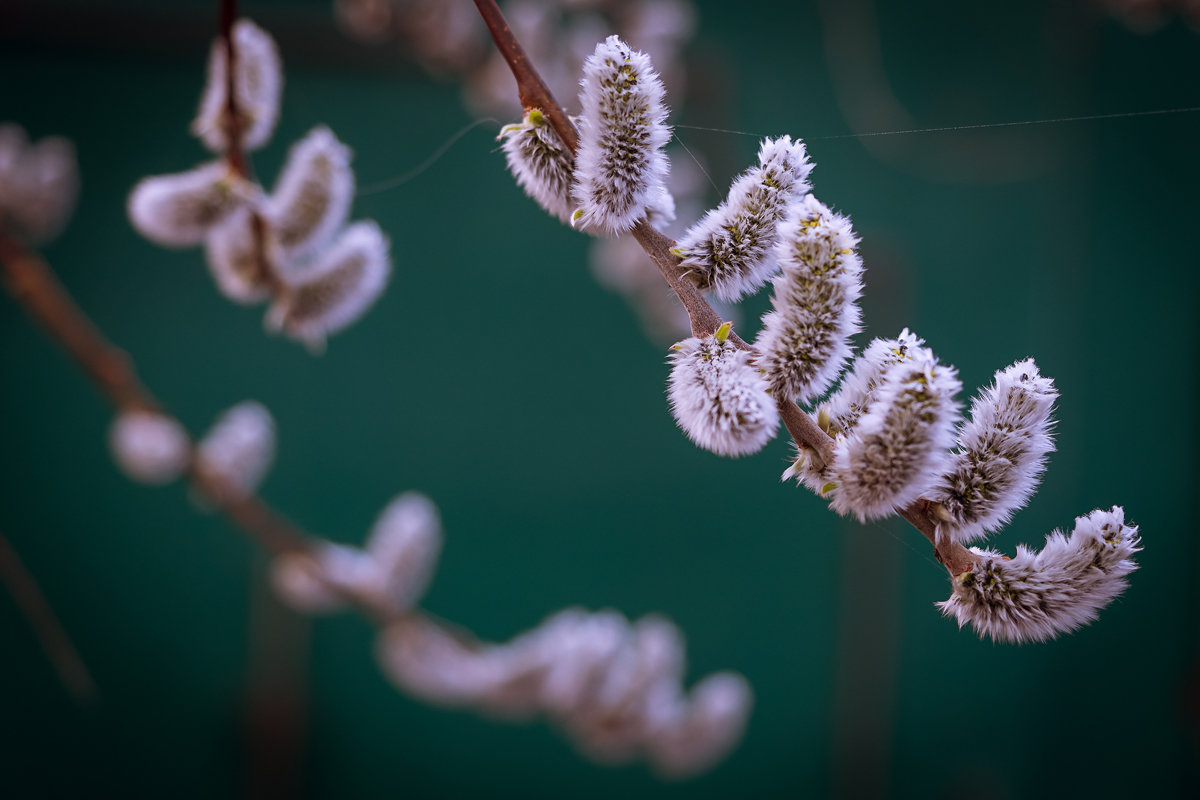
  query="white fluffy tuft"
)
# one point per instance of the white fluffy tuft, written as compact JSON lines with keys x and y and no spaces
{"x":180,"y":210}
{"x":541,"y":163}
{"x":839,"y":415}
{"x":620,"y":168}
{"x":1039,"y":595}
{"x":312,"y":195}
{"x":900,"y":445}
{"x":730,"y":251}
{"x":613,"y":686}
{"x":718,"y":397}
{"x":1001,"y":453}
{"x":239,"y":448}
{"x":39,"y":183}
{"x":148,"y":447}
{"x":336,"y":289}
{"x":237,"y":258}
{"x":391,"y":573}
{"x":258,"y":83}
{"x":805,"y":340}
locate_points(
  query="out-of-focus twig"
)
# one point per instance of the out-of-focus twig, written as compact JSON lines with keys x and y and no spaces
{"x":58,"y":647}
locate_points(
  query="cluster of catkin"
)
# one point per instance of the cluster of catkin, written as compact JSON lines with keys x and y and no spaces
{"x":897,"y":433}
{"x":292,"y":246}
{"x":613,"y":686}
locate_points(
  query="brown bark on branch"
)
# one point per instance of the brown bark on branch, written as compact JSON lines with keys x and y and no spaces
{"x":53,"y":637}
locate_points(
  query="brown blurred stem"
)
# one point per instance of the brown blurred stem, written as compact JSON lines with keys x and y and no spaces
{"x":57,"y":645}
{"x":234,"y":154}
{"x":235,"y":150}
{"x":704,"y":319}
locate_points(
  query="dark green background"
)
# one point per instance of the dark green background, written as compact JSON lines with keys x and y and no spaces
{"x":496,"y":376}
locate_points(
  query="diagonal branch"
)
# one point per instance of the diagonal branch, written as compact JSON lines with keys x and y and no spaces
{"x":704,"y":319}
{"x":58,"y":647}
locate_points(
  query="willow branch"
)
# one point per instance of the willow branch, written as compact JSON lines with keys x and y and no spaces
{"x":235,"y":151}
{"x":53,"y":637}
{"x":34,"y":285}
{"x":235,"y":154}
{"x":704,"y":319}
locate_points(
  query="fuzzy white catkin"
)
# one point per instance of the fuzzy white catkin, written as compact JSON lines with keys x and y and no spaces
{"x":336,"y":289}
{"x":392,"y":572}
{"x":258,"y":85}
{"x":839,"y":414}
{"x":857,"y":389}
{"x":313,"y":194}
{"x":180,"y":210}
{"x":39,"y":183}
{"x":313,"y":582}
{"x":239,"y":447}
{"x":232,"y":251}
{"x":615,"y":688}
{"x":620,"y":167}
{"x":1001,"y":453}
{"x":706,"y":729}
{"x":719,"y":398}
{"x":1038,"y":595}
{"x":148,"y":447}
{"x":405,"y":543}
{"x":540,"y":162}
{"x":900,"y":445}
{"x":730,"y":251}
{"x":805,"y":339}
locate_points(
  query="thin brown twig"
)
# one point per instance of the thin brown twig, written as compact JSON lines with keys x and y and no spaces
{"x":704,"y":319}
{"x":45,"y":624}
{"x":235,"y":150}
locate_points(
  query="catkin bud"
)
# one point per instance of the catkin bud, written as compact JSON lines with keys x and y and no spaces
{"x":730,"y":251}
{"x":239,"y":448}
{"x":238,"y":257}
{"x":540,"y":162}
{"x":1038,"y":595}
{"x":719,"y":398}
{"x":839,"y":415}
{"x":620,"y":166}
{"x":336,"y":289}
{"x":312,"y":582}
{"x":313,"y":194}
{"x":703,"y":731}
{"x":1001,"y":453}
{"x":857,"y":389}
{"x":180,"y":210}
{"x":39,"y":183}
{"x":391,"y":573}
{"x":258,"y":85}
{"x":149,"y":447}
{"x":404,"y":544}
{"x":900,"y":446}
{"x":805,"y":340}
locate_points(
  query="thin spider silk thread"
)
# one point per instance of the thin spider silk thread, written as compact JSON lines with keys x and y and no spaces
{"x":443,"y":148}
{"x":403,"y":178}
{"x":948,"y":128}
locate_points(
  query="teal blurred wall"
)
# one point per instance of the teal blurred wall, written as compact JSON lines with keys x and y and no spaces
{"x":497,"y":377}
